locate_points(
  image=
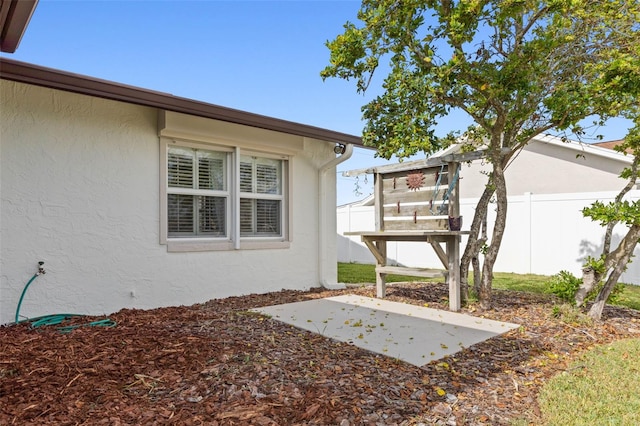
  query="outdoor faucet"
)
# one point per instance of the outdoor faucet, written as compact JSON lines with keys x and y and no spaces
{"x":41,"y":270}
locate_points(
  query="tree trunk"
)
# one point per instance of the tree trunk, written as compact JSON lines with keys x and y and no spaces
{"x":606,"y":246}
{"x":491,"y":255}
{"x":477,"y":274}
{"x":619,"y":258}
{"x":590,"y":278}
{"x":474,"y":241}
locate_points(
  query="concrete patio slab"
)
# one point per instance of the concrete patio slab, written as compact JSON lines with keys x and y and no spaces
{"x":414,"y":334}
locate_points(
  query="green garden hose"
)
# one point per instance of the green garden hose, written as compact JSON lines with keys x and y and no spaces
{"x":56,"y":319}
{"x":40,"y":271}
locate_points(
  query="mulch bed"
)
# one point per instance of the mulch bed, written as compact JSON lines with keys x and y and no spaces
{"x":218,"y":364}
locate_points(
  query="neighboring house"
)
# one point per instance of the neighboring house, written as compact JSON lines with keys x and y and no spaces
{"x":548,"y":184}
{"x":140,"y":199}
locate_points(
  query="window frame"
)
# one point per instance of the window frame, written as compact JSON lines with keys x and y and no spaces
{"x":197,"y":192}
{"x":233,"y":239}
{"x":255,"y":194}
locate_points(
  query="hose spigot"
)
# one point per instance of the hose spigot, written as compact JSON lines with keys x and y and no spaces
{"x":41,"y":270}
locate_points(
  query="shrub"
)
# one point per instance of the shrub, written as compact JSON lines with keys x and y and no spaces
{"x":565,"y":285}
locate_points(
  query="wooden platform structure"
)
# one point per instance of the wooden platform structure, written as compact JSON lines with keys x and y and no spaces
{"x":418,"y":201}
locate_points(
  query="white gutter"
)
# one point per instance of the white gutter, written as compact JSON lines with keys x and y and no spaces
{"x":322,"y":218}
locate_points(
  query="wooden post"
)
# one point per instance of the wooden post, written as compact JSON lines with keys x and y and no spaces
{"x":381,"y":277}
{"x":453,"y":252}
{"x":453,"y":243}
{"x":378,"y":195}
{"x":378,"y":191}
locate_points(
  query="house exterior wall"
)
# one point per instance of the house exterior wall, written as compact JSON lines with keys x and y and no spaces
{"x":545,"y":233}
{"x":80,"y":185}
{"x":545,"y":168}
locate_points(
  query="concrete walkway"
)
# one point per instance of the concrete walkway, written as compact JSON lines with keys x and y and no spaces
{"x":414,"y":334}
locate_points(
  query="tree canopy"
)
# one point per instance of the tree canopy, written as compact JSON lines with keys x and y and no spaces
{"x":516,"y":67}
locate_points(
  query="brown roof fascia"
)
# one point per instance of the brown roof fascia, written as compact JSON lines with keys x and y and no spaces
{"x":55,"y":79}
{"x":14,"y":18}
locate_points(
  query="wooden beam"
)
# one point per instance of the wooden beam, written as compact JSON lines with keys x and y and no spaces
{"x":419,"y":164}
{"x":373,"y":247}
{"x":442,"y":255}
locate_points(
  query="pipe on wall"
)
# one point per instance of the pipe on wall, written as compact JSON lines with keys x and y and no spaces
{"x":323,"y":230}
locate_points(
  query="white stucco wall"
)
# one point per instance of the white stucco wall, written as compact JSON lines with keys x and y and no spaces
{"x":79,"y":188}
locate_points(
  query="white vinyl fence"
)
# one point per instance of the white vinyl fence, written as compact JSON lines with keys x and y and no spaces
{"x":545,"y":234}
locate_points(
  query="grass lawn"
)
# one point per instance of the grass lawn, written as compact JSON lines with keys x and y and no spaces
{"x":356,"y":273}
{"x":600,"y":388}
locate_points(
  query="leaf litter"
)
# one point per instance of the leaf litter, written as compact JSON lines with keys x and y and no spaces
{"x":216,"y":363}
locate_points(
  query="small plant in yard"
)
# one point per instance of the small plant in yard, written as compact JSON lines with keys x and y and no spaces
{"x":565,"y":285}
{"x":571,"y":315}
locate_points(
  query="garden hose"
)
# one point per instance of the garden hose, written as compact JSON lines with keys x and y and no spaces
{"x":56,"y":319}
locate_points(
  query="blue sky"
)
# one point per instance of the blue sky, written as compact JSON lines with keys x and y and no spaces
{"x":263,"y":57}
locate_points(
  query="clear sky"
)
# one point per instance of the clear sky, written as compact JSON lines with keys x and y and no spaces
{"x":263,"y":57}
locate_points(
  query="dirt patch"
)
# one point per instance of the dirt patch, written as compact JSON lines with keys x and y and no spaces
{"x":218,"y":364}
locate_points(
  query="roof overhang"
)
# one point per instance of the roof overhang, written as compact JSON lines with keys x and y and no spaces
{"x":14,"y":18}
{"x":585,"y":148}
{"x":55,"y":79}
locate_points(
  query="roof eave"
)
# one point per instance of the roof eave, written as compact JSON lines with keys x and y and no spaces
{"x":55,"y":79}
{"x":583,"y":148}
{"x":14,"y":18}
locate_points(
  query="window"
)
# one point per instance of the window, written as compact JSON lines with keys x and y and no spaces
{"x":220,"y":198}
{"x":260,"y":196}
{"x":197,"y":195}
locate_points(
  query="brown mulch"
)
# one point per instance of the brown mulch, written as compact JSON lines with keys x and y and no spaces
{"x":217,"y":364}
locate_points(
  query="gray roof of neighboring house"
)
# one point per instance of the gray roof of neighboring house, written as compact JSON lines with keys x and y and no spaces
{"x":55,"y":79}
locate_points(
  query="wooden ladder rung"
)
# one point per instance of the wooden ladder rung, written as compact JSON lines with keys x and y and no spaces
{"x":412,"y":272}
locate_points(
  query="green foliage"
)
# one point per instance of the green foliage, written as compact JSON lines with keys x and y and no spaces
{"x":597,"y":264}
{"x":627,"y":212}
{"x":600,"y":388}
{"x":517,"y":68}
{"x":565,"y":285}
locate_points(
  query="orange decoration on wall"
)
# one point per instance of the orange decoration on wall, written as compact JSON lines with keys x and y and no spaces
{"x":415,"y":181}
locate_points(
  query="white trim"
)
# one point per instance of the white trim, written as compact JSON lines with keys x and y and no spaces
{"x":236,"y":200}
{"x":163,"y":191}
{"x":206,"y":130}
{"x":261,"y":245}
{"x":181,"y":246}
